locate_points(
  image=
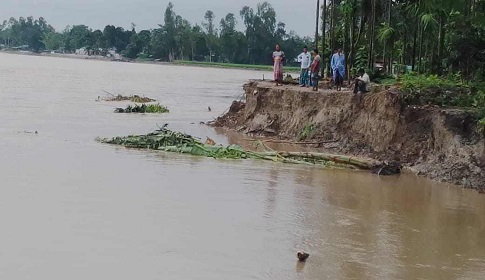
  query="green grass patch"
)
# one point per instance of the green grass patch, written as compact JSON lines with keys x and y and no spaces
{"x":234,"y":66}
{"x":441,"y":91}
{"x":306,"y":132}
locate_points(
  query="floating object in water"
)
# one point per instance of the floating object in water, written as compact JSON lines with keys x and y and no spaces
{"x":29,"y":132}
{"x":133,"y":98}
{"x":167,"y":140}
{"x":302,"y":256}
{"x":144,"y":108}
{"x":387,"y":169}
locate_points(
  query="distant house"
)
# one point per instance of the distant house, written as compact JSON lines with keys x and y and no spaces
{"x":113,"y":54}
{"x":82,"y":51}
{"x":21,"y":48}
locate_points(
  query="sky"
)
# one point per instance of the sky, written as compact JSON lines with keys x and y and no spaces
{"x":298,"y":15}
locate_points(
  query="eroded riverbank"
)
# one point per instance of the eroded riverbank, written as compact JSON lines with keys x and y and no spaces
{"x":72,"y":208}
{"x":439,"y":143}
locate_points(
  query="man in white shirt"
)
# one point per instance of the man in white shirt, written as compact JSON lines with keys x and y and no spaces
{"x":362,"y":82}
{"x":305,"y":58}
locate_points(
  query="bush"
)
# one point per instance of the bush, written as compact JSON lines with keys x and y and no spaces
{"x":434,"y":90}
{"x":446,"y":92}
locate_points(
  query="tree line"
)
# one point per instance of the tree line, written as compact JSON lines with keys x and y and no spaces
{"x":429,"y":36}
{"x":174,"y":39}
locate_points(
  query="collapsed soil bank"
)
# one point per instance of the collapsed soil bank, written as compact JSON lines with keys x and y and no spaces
{"x":439,"y":143}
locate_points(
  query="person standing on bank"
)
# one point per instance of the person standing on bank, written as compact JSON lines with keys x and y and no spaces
{"x":338,"y":68}
{"x":278,"y":58}
{"x":305,"y":59}
{"x":315,"y":69}
{"x":362,"y":82}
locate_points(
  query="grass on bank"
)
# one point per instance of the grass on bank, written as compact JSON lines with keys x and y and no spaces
{"x":234,"y":66}
{"x":449,"y":91}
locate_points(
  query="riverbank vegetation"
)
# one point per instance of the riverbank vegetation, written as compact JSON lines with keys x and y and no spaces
{"x":450,"y":91}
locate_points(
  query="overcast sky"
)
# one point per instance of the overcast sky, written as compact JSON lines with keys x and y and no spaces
{"x":299,"y":15}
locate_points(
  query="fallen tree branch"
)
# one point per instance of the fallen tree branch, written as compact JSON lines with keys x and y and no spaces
{"x":292,"y":142}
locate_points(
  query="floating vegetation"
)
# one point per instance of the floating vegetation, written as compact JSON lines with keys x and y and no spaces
{"x":144,"y":108}
{"x":167,"y":140}
{"x":133,"y":98}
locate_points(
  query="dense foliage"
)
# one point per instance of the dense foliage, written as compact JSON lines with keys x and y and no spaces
{"x":428,"y":36}
{"x":174,"y":39}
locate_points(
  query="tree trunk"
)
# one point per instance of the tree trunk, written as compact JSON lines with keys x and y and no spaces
{"x":316,"y":24}
{"x":441,"y":44}
{"x":391,"y":45}
{"x":372,"y":36}
{"x":415,"y":41}
{"x":403,"y":51}
{"x":324,"y":34}
{"x":332,"y":27}
{"x":352,"y":37}
{"x":420,"y":66}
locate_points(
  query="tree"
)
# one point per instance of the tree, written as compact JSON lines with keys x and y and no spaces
{"x":260,"y":32}
{"x":53,"y":40}
{"x":109,"y":34}
{"x":80,"y":37}
{"x":168,"y":29}
{"x":211,"y":36}
{"x":145,"y":37}
{"x":232,"y":41}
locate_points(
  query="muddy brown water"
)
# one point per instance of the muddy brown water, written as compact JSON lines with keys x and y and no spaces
{"x":74,"y":209}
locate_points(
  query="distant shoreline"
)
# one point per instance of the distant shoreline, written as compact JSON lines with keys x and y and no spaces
{"x":176,"y":62}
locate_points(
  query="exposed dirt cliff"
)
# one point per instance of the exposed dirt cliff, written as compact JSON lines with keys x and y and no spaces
{"x":439,"y":143}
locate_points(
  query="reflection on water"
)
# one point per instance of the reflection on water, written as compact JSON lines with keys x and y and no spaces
{"x":74,"y":209}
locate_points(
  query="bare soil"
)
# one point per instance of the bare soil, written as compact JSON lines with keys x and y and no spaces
{"x":442,"y":144}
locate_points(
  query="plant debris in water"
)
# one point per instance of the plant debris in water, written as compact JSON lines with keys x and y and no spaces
{"x":167,"y":140}
{"x":133,"y":98}
{"x":144,"y":108}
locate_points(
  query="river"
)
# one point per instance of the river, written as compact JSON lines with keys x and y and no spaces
{"x":72,"y":208}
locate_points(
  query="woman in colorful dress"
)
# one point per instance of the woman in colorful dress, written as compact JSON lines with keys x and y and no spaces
{"x":278,"y":58}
